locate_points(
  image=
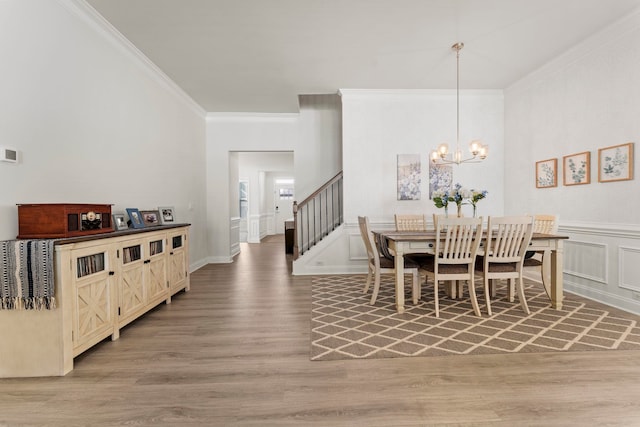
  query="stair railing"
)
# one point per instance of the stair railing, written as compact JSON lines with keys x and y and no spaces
{"x":317,"y":215}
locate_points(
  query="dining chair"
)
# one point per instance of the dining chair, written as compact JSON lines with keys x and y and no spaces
{"x":379,"y":264}
{"x":505,"y":245}
{"x":410,"y":222}
{"x":454,"y":288}
{"x":541,"y":260}
{"x":456,"y":247}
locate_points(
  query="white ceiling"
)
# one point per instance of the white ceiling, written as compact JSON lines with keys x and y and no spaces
{"x":259,"y":55}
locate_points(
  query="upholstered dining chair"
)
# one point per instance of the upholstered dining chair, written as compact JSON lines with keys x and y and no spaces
{"x":505,"y":245}
{"x":379,"y":264}
{"x":541,"y":260}
{"x":456,"y":246}
{"x":410,"y":222}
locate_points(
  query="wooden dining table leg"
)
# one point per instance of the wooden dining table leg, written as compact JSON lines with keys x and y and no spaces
{"x":556,"y":275}
{"x":399,"y":263}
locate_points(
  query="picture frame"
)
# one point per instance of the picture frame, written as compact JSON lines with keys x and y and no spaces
{"x":576,"y":169}
{"x":150,"y":218}
{"x":135,"y":218}
{"x":547,"y":173}
{"x":167,"y":214}
{"x":119,"y":223}
{"x":615,"y":163}
{"x":409,"y":176}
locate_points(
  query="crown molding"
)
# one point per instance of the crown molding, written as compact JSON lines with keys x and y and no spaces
{"x":407,"y":93}
{"x":86,"y":13}
{"x":252,"y":117}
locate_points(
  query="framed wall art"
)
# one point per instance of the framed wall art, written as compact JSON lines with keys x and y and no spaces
{"x":409,"y":175}
{"x":440,"y":178}
{"x":547,"y":173}
{"x":135,"y":218}
{"x":150,"y":218}
{"x":119,"y":222}
{"x":167,"y":215}
{"x":615,"y":163}
{"x":576,"y":168}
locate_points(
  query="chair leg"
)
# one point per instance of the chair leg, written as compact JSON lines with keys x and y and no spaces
{"x":523,"y":301}
{"x":487,"y":295}
{"x":474,"y":299}
{"x":368,"y":283}
{"x":435,"y":298}
{"x":416,"y":291}
{"x":376,"y":288}
{"x":510,"y":289}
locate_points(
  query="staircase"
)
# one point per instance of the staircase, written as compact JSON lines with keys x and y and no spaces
{"x":317,"y":215}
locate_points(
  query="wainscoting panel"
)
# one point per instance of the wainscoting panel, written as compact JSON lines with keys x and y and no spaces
{"x":602,"y":262}
{"x":629,"y":266}
{"x":234,"y":236}
{"x":586,"y":260}
{"x":357,"y":250}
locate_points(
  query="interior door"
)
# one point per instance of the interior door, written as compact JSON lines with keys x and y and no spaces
{"x":283,"y":200}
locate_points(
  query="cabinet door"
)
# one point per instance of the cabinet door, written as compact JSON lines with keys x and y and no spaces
{"x":156,"y":269}
{"x":93,"y":311}
{"x":177,"y":261}
{"x":131,"y":289}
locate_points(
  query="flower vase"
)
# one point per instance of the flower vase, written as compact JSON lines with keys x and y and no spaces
{"x":460,"y":211}
{"x":474,"y":211}
{"x":446,"y":211}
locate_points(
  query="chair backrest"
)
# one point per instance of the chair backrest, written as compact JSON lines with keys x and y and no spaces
{"x":367,"y":238}
{"x":457,"y":240}
{"x":411,"y":222}
{"x":545,"y":224}
{"x":508,"y":238}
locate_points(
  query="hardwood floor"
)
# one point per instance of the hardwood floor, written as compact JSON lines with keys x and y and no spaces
{"x":234,"y":351}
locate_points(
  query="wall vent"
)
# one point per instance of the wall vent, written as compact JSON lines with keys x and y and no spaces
{"x":8,"y":154}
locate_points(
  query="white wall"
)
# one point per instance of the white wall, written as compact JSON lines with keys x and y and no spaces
{"x":319,"y":149}
{"x":586,"y":99}
{"x":93,"y":123}
{"x":379,"y":125}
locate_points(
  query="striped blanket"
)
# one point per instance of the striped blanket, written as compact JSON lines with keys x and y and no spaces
{"x":26,"y":275}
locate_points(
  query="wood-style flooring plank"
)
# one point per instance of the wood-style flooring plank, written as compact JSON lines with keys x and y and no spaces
{"x":234,"y":351}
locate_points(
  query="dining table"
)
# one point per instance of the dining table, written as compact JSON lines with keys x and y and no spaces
{"x":402,"y":243}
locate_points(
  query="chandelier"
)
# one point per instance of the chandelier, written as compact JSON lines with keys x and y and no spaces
{"x":477,"y":149}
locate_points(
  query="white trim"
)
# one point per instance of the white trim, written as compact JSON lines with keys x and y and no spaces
{"x":630,"y":231}
{"x":97,"y":22}
{"x":405,"y":93}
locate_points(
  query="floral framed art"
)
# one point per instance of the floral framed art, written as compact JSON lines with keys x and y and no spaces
{"x":615,"y":163}
{"x":576,"y":168}
{"x":547,"y":173}
{"x":409,"y":174}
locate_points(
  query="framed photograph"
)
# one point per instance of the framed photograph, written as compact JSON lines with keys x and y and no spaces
{"x":409,"y":176}
{"x":135,"y":219}
{"x":576,"y":168}
{"x":119,"y":223}
{"x":547,"y":173}
{"x":615,"y":163}
{"x":166,"y":215}
{"x":150,"y":218}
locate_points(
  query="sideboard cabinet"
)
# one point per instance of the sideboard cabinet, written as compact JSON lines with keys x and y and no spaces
{"x":102,"y":283}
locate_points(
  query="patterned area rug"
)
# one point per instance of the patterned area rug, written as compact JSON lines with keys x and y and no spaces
{"x":345,"y":326}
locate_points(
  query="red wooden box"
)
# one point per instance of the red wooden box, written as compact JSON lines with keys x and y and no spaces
{"x":57,"y":220}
